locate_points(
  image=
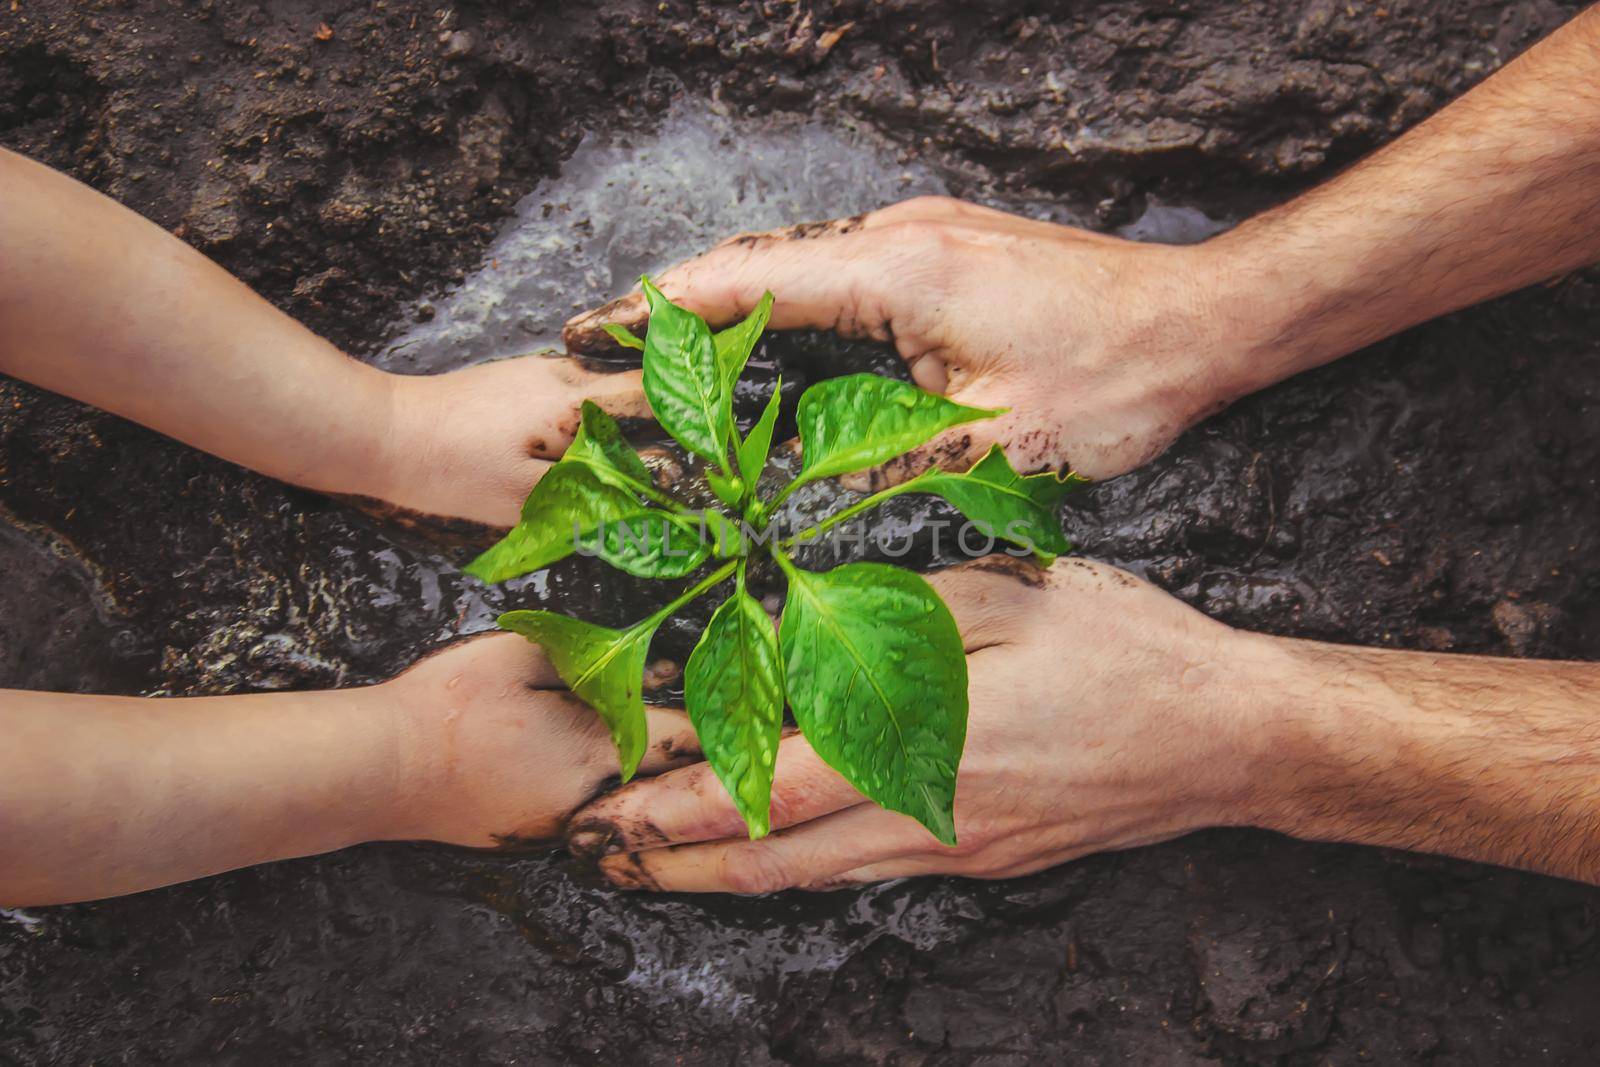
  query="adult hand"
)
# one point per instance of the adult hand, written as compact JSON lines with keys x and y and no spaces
{"x":1139,"y":735}
{"x":1101,"y":348}
{"x":471,"y":443}
{"x":495,"y":751}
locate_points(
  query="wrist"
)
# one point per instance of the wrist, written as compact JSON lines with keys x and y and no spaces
{"x":1337,"y":739}
{"x":415,"y":771}
{"x":403,"y":440}
{"x":453,"y":450}
{"x":323,"y":769}
{"x":1261,"y":706}
{"x":1194,"y":327}
{"x":1278,"y":301}
{"x":1243,"y":320}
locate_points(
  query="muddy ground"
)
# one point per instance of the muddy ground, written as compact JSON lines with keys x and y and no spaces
{"x":352,"y":159}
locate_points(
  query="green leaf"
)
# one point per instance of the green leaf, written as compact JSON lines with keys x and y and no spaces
{"x":681,"y":378}
{"x":650,"y":544}
{"x":599,"y":444}
{"x":735,"y":344}
{"x":604,"y":667}
{"x":569,"y":498}
{"x":861,"y":420}
{"x":753,"y":452}
{"x":1018,"y":509}
{"x":622,"y":335}
{"x":725,"y":534}
{"x":733,"y":690}
{"x":876,"y":675}
{"x":728,"y":488}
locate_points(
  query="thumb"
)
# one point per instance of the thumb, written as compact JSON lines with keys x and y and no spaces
{"x":620,"y":393}
{"x":673,"y":742}
{"x":826,"y":276}
{"x":691,"y":805}
{"x":957,"y":449}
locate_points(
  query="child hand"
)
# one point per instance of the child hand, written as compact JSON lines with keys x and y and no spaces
{"x":493,"y":750}
{"x":471,"y":443}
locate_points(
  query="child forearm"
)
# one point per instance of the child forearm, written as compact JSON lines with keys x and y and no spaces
{"x":102,"y":305}
{"x":475,"y":745}
{"x":101,"y":796}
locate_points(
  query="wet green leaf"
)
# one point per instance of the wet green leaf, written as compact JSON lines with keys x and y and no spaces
{"x":728,"y":488}
{"x":861,"y":420}
{"x":753,"y":452}
{"x":569,"y":498}
{"x":682,"y":380}
{"x":735,"y":344}
{"x":1015,"y":508}
{"x":622,"y":335}
{"x":604,"y":667}
{"x":877,"y":678}
{"x":599,"y":444}
{"x":724,"y":534}
{"x":733,"y":690}
{"x":650,"y":544}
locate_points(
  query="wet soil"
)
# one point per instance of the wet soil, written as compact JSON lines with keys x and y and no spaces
{"x":354,"y":161}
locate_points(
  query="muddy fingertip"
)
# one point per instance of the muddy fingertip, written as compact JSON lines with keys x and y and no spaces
{"x":584,"y":333}
{"x":627,"y":871}
{"x":593,"y":839}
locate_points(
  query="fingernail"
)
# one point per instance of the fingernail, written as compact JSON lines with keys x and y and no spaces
{"x":594,"y":842}
{"x":625,"y":872}
{"x":611,"y":311}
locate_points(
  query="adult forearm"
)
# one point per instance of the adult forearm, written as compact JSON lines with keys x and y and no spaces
{"x":1484,"y":758}
{"x":101,"y":305}
{"x":101,"y":796}
{"x":1499,"y":190}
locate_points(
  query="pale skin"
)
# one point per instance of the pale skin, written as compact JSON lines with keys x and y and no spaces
{"x":107,"y":795}
{"x":477,"y":745}
{"x":1104,"y":350}
{"x":159,"y":334}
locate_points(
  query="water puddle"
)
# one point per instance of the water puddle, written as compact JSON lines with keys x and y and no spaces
{"x":625,"y":204}
{"x":30,"y":924}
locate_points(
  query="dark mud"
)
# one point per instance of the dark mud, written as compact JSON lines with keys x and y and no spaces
{"x":1438,"y":491}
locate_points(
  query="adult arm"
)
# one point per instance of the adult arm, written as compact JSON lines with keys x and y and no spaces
{"x":477,"y":745}
{"x":1497,"y":191}
{"x":102,"y":305}
{"x":1165,"y":722}
{"x":1480,"y":757}
{"x":1105,"y":350}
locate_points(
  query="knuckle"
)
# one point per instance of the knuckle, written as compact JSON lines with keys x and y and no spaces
{"x":750,"y":873}
{"x":972,"y":843}
{"x":920,"y":237}
{"x":969,"y":849}
{"x":933,"y":205}
{"x":625,"y":804}
{"x":990,"y":870}
{"x":743,"y":241}
{"x":983,"y":862}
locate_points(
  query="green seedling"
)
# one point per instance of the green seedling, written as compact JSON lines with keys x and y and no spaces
{"x":866,"y":656}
